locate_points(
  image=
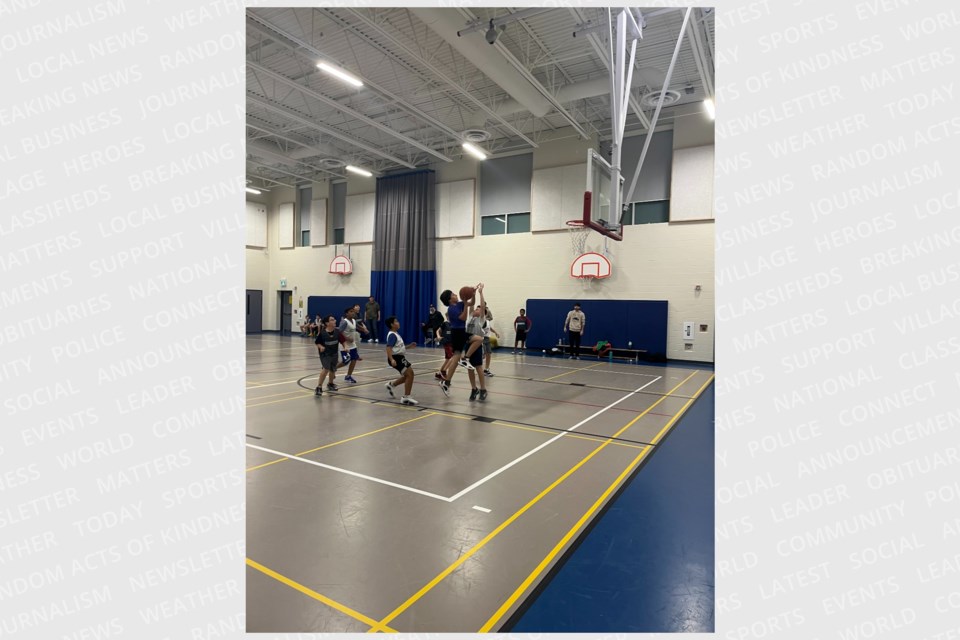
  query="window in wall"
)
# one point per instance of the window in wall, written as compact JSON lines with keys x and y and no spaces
{"x":505,"y":223}
{"x":650,"y":212}
{"x":338,"y":192}
{"x":305,"y":194}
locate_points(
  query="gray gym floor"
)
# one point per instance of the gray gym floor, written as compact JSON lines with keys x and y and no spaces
{"x":366,"y":515}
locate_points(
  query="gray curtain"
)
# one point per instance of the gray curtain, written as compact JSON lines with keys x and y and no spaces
{"x":404,"y":231}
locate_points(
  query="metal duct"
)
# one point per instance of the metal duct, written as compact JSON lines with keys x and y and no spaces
{"x":446,"y":23}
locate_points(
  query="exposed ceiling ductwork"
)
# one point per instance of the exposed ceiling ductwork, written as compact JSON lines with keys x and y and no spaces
{"x":446,"y":24}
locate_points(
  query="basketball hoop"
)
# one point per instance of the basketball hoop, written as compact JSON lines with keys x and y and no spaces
{"x":578,"y":236}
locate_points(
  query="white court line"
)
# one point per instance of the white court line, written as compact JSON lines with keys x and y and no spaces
{"x":550,"y":441}
{"x":475,"y":484}
{"x":481,"y":509}
{"x":554,"y":366}
{"x":351,"y":473}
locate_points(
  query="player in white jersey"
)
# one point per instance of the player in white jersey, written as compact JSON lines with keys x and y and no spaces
{"x":396,"y":357}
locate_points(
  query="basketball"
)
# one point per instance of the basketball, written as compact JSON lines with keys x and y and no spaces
{"x":467,"y":293}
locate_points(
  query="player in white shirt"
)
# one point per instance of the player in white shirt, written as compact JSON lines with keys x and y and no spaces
{"x":396,"y":351}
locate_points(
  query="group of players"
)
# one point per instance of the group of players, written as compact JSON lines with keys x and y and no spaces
{"x":465,"y":337}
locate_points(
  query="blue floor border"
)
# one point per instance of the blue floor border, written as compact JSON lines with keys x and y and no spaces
{"x":646,"y":564}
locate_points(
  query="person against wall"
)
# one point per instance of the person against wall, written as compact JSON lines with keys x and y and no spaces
{"x":433,"y":322}
{"x":574,"y":325}
{"x":371,"y":318}
{"x":522,"y":324}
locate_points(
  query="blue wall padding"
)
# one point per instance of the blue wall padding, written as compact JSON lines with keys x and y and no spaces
{"x":334,"y":305}
{"x":644,"y":322}
{"x":407,"y":295}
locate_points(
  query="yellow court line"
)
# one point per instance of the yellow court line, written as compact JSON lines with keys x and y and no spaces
{"x":276,"y":395}
{"x":506,"y":523}
{"x":560,"y":375}
{"x":583,"y":519}
{"x":326,"y":446}
{"x":307,"y":394}
{"x":568,"y":434}
{"x":313,"y":594}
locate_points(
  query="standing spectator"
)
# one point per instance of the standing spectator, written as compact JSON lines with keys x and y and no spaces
{"x":574,"y":325}
{"x":522,"y":324}
{"x":430,"y":327}
{"x":371,"y":318}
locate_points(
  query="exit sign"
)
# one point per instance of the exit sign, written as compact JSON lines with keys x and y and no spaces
{"x":283,"y":282}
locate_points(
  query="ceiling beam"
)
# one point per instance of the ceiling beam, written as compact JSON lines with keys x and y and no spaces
{"x":343,"y":109}
{"x":493,"y":114}
{"x":307,"y":50}
{"x":336,"y":133}
{"x":529,"y":77}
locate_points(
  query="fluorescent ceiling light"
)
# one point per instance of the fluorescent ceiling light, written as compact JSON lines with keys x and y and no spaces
{"x":476,"y":151}
{"x":358,"y":170}
{"x":340,"y":73}
{"x":708,"y":103}
{"x":501,"y":220}
{"x":252,"y":190}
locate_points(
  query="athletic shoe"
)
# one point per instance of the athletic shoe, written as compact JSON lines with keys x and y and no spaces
{"x":483,"y":395}
{"x":332,"y":387}
{"x":488,"y":373}
{"x":318,"y":392}
{"x":390,"y":390}
{"x":408,"y":400}
{"x":438,"y":376}
{"x":351,"y":380}
{"x":514,"y":352}
{"x":474,"y":394}
{"x":445,"y":387}
{"x":466,"y":365}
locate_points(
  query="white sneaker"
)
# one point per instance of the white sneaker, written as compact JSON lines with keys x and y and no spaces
{"x":390,"y":390}
{"x":408,"y":400}
{"x":466,"y":365}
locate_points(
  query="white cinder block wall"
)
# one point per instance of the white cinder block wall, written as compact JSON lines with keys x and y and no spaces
{"x":654,"y":262}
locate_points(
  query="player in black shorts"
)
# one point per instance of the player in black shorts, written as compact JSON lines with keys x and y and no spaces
{"x":396,"y":358}
{"x":522,"y":324}
{"x":328,"y":343}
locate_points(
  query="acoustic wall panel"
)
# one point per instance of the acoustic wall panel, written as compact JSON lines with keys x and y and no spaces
{"x":691,"y":189}
{"x":285,"y":225}
{"x":358,"y":221}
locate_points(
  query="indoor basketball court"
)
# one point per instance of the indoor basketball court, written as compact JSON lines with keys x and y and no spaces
{"x":445,"y":510}
{"x":438,"y":517}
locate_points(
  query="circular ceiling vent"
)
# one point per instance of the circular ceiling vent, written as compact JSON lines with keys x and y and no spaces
{"x":332,"y":163}
{"x":650,"y":100}
{"x":476,"y":135}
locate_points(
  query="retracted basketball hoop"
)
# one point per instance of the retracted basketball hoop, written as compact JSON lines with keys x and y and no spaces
{"x":341,"y":266}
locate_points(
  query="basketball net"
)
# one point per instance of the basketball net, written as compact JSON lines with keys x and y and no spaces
{"x":578,"y":233}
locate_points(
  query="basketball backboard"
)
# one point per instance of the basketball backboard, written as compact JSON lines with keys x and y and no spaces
{"x":599,"y":198}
